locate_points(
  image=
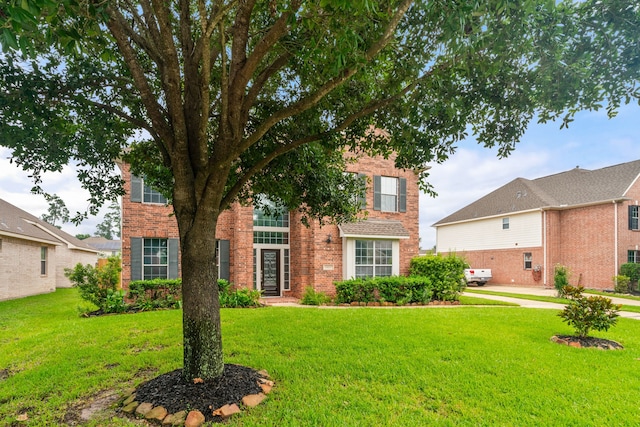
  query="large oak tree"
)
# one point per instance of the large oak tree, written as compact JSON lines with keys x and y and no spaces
{"x":229,"y":98}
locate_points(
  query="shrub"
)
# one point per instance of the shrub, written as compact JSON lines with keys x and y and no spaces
{"x":155,"y":294}
{"x":632,"y":271}
{"x":399,"y":290}
{"x":99,"y":285}
{"x":237,"y":298}
{"x":584,"y":314}
{"x":404,"y":290}
{"x":312,"y":297}
{"x":445,"y":274}
{"x":621,"y":284}
{"x":560,"y":279}
{"x":355,"y":290}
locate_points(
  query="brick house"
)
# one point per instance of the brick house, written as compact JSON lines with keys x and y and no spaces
{"x":34,"y":254}
{"x":584,"y":219}
{"x":278,"y":254}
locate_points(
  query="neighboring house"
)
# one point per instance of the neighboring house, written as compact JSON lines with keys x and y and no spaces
{"x":279,"y":255}
{"x":584,"y":219}
{"x":34,"y":254}
{"x":106,"y":247}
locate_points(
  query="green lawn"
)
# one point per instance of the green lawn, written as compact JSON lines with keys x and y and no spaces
{"x":476,"y":366}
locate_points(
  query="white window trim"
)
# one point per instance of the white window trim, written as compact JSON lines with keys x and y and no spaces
{"x":349,"y":255}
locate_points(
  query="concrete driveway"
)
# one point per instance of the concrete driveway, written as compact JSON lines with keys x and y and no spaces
{"x":541,"y":292}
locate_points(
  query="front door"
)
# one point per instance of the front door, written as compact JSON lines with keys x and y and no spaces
{"x":270,"y":272}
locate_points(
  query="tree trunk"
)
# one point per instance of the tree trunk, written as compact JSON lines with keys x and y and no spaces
{"x":200,"y":302}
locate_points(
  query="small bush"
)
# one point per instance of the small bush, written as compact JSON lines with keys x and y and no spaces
{"x":560,"y":279}
{"x":632,"y":271}
{"x":99,"y":285}
{"x":312,"y":297}
{"x":398,"y":290}
{"x":621,"y":284}
{"x":355,"y":290}
{"x":585,"y":314}
{"x":445,"y":274}
{"x":238,"y":298}
{"x":155,"y":294}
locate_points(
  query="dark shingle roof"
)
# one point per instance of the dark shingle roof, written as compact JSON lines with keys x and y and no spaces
{"x":374,"y":227}
{"x":571,"y":188}
{"x":16,"y":222}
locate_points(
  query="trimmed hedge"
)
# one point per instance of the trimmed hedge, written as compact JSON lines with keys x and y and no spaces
{"x":433,"y":278}
{"x":167,"y":293}
{"x":155,"y":294}
{"x":398,"y":290}
{"x":632,"y":271}
{"x":445,"y":273}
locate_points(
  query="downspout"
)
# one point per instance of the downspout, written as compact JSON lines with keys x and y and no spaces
{"x":615,"y":238}
{"x":544,"y":246}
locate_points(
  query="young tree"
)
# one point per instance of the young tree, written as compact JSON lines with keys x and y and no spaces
{"x":231,"y":98}
{"x":110,"y":225}
{"x":57,"y":211}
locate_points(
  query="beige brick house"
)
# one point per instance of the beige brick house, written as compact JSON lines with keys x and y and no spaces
{"x":279,"y":255}
{"x":34,"y":254}
{"x":584,"y":219}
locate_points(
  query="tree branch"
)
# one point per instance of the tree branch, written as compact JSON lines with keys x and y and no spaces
{"x":314,"y":98}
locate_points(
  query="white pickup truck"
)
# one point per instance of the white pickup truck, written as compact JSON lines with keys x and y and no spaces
{"x":479,"y":276}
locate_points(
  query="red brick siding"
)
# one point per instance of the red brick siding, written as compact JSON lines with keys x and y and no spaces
{"x":583,"y":239}
{"x":309,"y":252}
{"x":142,"y":220}
{"x":507,"y":265}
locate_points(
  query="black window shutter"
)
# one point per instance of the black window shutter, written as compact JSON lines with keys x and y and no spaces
{"x":173,"y":248}
{"x":136,"y":258}
{"x":633,"y":217}
{"x":223,"y":259}
{"x":362,"y":197}
{"x":136,"y":188}
{"x":402,"y":196}
{"x":377,"y":196}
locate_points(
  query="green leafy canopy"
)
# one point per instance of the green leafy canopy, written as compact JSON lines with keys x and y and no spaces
{"x":82,"y":79}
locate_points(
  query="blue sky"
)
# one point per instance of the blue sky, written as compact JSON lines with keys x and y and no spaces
{"x":592,"y":141}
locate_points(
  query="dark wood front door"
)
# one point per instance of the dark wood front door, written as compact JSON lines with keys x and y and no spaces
{"x":270,"y":276}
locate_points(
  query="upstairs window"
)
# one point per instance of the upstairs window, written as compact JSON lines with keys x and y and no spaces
{"x":505,"y":223}
{"x":278,"y":218}
{"x":633,"y":217}
{"x":140,"y":192}
{"x":389,"y":194}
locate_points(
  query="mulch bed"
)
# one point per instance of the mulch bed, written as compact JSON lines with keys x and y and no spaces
{"x":588,"y":342}
{"x":174,"y":394}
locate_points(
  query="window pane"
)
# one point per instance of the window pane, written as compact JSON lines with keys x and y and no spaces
{"x":155,"y":259}
{"x":152,"y":196}
{"x":382,"y":271}
{"x":362,"y":272}
{"x":374,"y":258}
{"x":389,"y":185}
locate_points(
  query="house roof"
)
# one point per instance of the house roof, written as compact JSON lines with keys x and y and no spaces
{"x":575,"y":187}
{"x":103,"y":244}
{"x":17,"y":223}
{"x":374,"y":228}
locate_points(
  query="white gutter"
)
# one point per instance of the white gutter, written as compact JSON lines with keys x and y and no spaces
{"x":29,"y":238}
